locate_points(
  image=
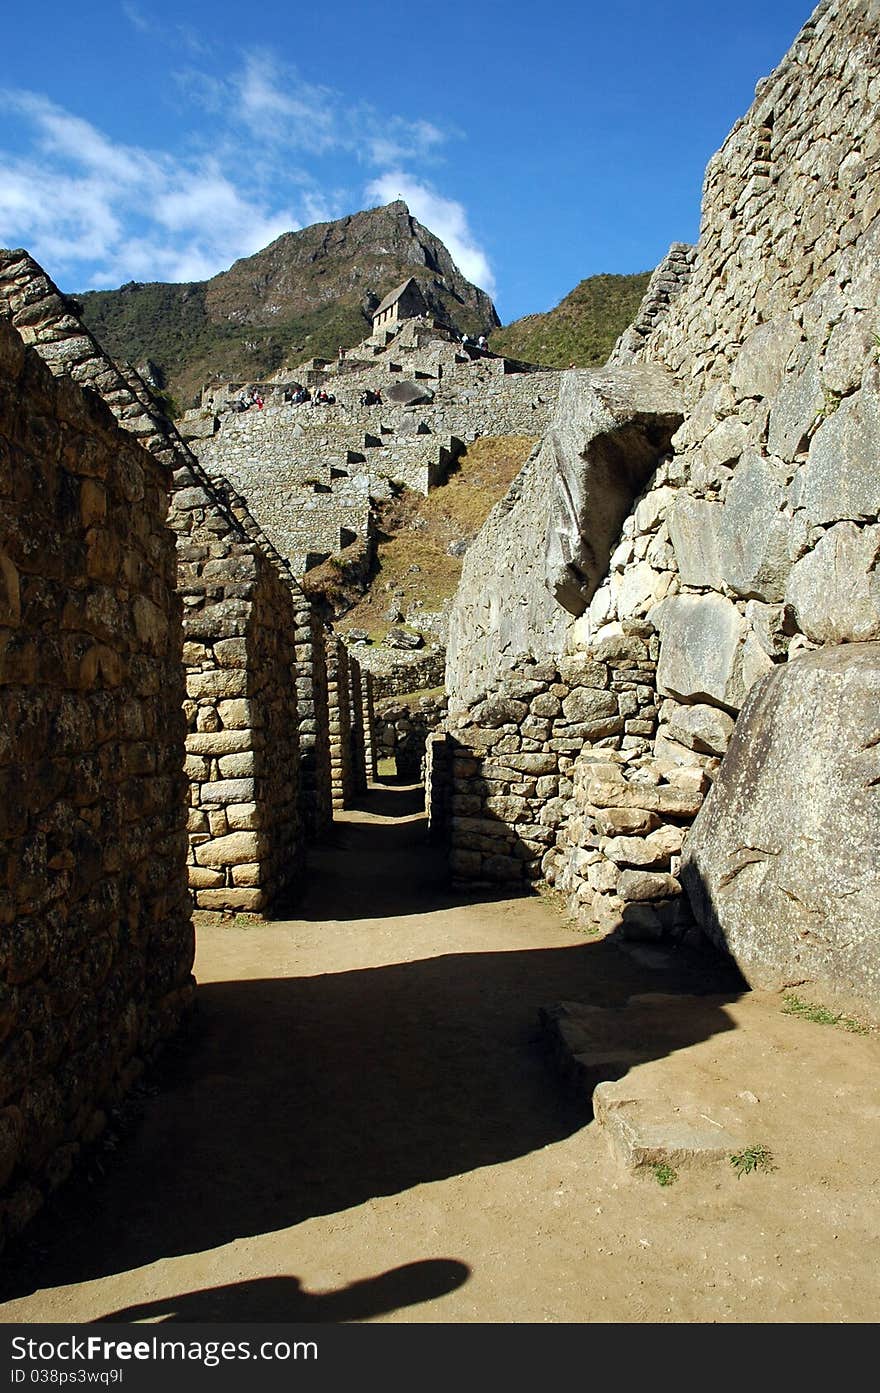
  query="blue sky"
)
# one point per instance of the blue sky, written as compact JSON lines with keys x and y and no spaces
{"x":141,"y":140}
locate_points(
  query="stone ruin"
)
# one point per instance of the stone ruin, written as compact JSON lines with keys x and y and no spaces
{"x":313,"y":474}
{"x":167,"y":734}
{"x":664,"y":659}
{"x":258,"y":738}
{"x":677,"y":601}
{"x":96,"y":920}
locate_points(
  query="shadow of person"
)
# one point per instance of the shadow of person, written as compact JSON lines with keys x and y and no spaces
{"x":283,"y":1298}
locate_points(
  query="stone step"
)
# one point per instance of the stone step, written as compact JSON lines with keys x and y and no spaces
{"x":601,"y":1053}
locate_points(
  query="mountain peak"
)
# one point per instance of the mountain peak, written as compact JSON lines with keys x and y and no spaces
{"x":304,"y":295}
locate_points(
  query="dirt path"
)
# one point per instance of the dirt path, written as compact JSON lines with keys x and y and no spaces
{"x":365,"y":1125}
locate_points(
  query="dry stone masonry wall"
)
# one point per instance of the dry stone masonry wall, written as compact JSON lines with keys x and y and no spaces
{"x":402,"y":729}
{"x":254,"y":669}
{"x":351,"y":708}
{"x":746,"y":548}
{"x":96,"y":922}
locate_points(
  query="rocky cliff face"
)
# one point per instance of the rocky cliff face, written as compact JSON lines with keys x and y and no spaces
{"x":302,"y":296}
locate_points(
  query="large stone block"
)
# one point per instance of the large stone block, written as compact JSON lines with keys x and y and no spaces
{"x":795,"y":409}
{"x":647,"y":885}
{"x":693,"y":528}
{"x":841,"y":478}
{"x":703,"y":728}
{"x":639,"y":588}
{"x":835,"y":590}
{"x":760,"y":365}
{"x":707,"y":652}
{"x":589,"y":704}
{"x":235,"y":849}
{"x":604,"y":451}
{"x":781,"y":864}
{"x":753,"y":534}
{"x":226,"y":619}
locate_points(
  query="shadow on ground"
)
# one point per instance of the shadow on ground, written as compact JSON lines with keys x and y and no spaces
{"x":304,"y":1096}
{"x":283,"y":1298}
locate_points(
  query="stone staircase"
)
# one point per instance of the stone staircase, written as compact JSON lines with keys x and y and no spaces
{"x":312,"y":473}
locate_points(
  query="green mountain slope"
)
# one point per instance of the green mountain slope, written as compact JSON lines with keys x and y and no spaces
{"x":301,"y":297}
{"x":583,"y":327}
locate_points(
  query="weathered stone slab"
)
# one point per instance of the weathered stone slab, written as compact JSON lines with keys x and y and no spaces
{"x":648,"y":1132}
{"x":604,"y":449}
{"x":795,"y":409}
{"x":753,"y":534}
{"x":589,"y":704}
{"x":693,"y":528}
{"x":781,"y":864}
{"x":647,"y":885}
{"x":703,"y":728}
{"x":639,"y":588}
{"x":760,"y":364}
{"x":835,"y":589}
{"x":706,"y":651}
{"x":408,"y":393}
{"x":723,"y":445}
{"x":615,"y":822}
{"x":228,"y":791}
{"x":841,"y":478}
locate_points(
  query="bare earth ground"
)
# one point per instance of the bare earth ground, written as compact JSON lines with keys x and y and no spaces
{"x":365,"y":1125}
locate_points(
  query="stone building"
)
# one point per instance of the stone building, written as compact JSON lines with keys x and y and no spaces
{"x":313,"y":476}
{"x":701,"y":528}
{"x":94,"y":911}
{"x":405,"y":301}
{"x":258,"y":737}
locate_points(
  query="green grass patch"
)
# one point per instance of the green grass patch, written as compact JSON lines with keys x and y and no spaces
{"x":663,"y":1174}
{"x":821,"y":1015}
{"x":413,"y":565}
{"x":583,"y":327}
{"x":751,"y":1159}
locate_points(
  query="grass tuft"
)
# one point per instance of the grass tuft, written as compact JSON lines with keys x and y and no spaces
{"x":663,"y":1174}
{"x":820,"y":1015}
{"x":750,"y":1159}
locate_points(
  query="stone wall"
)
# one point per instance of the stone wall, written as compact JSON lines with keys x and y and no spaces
{"x":752,"y":539}
{"x":96,"y":924}
{"x":250,"y":637}
{"x":553,"y":531}
{"x":397,"y":672}
{"x":402,"y":728}
{"x":349,"y":710}
{"x":667,"y":282}
{"x":243,"y":756}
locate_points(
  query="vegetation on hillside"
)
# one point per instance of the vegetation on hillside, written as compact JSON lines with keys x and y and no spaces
{"x":169,"y":325}
{"x":583,"y":327}
{"x":301,"y":297}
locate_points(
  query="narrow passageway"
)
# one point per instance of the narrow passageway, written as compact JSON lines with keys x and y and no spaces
{"x":363,"y":1123}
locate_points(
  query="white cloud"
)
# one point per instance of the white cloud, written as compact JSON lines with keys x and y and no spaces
{"x":276,"y":105}
{"x":119,"y":212}
{"x":444,"y":217}
{"x":276,"y":152}
{"x":59,"y":133}
{"x":137,"y":18}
